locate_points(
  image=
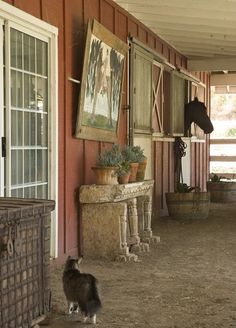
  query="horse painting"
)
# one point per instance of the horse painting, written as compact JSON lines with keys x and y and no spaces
{"x":195,"y":111}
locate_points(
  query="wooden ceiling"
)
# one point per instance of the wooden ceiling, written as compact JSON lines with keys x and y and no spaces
{"x":202,"y":30}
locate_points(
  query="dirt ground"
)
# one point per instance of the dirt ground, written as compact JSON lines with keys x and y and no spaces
{"x":187,"y":280}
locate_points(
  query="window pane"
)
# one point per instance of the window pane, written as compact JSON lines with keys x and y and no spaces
{"x":13,"y":89}
{"x":16,"y":49}
{"x":17,"y":130}
{"x":29,"y":166}
{"x":32,"y":54}
{"x":29,"y":129}
{"x":13,"y":46}
{"x":17,"y":165}
{"x":14,"y":167}
{"x":19,"y":50}
{"x":16,"y":89}
{"x":41,"y":48}
{"x":42,"y":101}
{"x":42,"y":168}
{"x":42,"y":132}
{"x":42,"y":192}
{"x":26,"y":42}
{"x":29,"y":192}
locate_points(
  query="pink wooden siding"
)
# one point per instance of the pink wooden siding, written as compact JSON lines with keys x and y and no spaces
{"x":77,"y":156}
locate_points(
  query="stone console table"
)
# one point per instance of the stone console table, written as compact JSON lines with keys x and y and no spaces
{"x":116,"y":219}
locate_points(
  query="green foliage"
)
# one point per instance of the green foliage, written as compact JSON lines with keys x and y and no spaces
{"x":231,"y":132}
{"x":183,"y":188}
{"x":124,"y":168}
{"x":215,"y":178}
{"x":133,"y":154}
{"x":110,"y":157}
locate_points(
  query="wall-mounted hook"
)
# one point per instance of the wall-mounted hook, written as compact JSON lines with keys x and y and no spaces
{"x":73,"y":80}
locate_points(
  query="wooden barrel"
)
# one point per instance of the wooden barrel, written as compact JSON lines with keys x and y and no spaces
{"x":222,"y":192}
{"x":192,"y":205}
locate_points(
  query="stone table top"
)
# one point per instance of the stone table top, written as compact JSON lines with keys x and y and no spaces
{"x":114,"y":193}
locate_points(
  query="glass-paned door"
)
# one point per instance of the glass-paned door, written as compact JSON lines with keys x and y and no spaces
{"x":26,"y":115}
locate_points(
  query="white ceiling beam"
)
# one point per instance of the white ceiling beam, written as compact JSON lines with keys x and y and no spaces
{"x":229,"y":5}
{"x":223,"y":79}
{"x":200,"y":38}
{"x":189,"y":27}
{"x":216,"y":12}
{"x":191,"y":34}
{"x":155,"y":17}
{"x":212,"y":64}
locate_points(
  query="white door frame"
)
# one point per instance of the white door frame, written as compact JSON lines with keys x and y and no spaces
{"x":1,"y":111}
{"x":10,"y":15}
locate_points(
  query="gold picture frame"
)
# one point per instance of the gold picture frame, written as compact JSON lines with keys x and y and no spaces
{"x":101,"y":86}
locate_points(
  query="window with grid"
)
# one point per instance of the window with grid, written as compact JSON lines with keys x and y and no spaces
{"x":26,"y":114}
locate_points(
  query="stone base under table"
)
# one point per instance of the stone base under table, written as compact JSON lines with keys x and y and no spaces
{"x":116,"y":220}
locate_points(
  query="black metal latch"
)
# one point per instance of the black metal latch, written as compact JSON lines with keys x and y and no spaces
{"x":3,"y":146}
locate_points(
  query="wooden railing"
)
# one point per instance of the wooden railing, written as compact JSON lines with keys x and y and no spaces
{"x":224,"y":158}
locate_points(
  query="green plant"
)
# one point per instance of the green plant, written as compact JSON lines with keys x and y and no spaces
{"x":133,"y":154}
{"x":123,"y":168}
{"x":110,"y":157}
{"x":139,"y":154}
{"x":215,"y":178}
{"x":183,"y":188}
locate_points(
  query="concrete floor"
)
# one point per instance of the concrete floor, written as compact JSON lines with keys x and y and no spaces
{"x":188,"y":280}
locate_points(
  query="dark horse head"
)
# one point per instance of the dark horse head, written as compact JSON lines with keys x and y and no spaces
{"x":195,"y":111}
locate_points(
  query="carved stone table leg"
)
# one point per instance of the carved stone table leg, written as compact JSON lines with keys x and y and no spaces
{"x":104,"y":231}
{"x":145,"y":217}
{"x":132,"y":231}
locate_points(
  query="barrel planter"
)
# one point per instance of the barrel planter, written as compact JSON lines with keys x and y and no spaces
{"x":192,"y":205}
{"x":222,"y":192}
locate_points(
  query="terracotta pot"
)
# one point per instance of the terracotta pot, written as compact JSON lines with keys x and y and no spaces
{"x":123,"y":179}
{"x":105,"y":175}
{"x":133,"y":172}
{"x":141,"y":171}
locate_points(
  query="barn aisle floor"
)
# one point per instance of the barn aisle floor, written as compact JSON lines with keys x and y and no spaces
{"x":188,"y":280}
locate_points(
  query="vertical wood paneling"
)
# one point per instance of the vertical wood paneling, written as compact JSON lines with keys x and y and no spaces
{"x":107,"y":15}
{"x":77,"y":156}
{"x":132,"y":28}
{"x":158,"y":45}
{"x":91,"y":10}
{"x":73,"y":167}
{"x":165,"y":51}
{"x":142,"y":34}
{"x":177,"y":60}
{"x":151,"y":41}
{"x":31,"y":7}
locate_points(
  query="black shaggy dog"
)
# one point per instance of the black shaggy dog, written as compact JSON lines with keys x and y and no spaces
{"x":81,"y":290}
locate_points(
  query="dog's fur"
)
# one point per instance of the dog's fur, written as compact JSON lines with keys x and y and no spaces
{"x":81,"y":290}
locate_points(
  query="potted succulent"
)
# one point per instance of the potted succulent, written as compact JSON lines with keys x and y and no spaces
{"x":107,"y":164}
{"x":123,"y":172}
{"x":134,"y":155}
{"x":188,"y":202}
{"x":142,"y":162}
{"x":222,"y":190}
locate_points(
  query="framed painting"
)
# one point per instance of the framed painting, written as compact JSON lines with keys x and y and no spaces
{"x":101,"y":85}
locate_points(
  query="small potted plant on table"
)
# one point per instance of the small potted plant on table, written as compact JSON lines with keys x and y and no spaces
{"x":134,"y":155}
{"x":107,"y":165}
{"x":123,"y":172}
